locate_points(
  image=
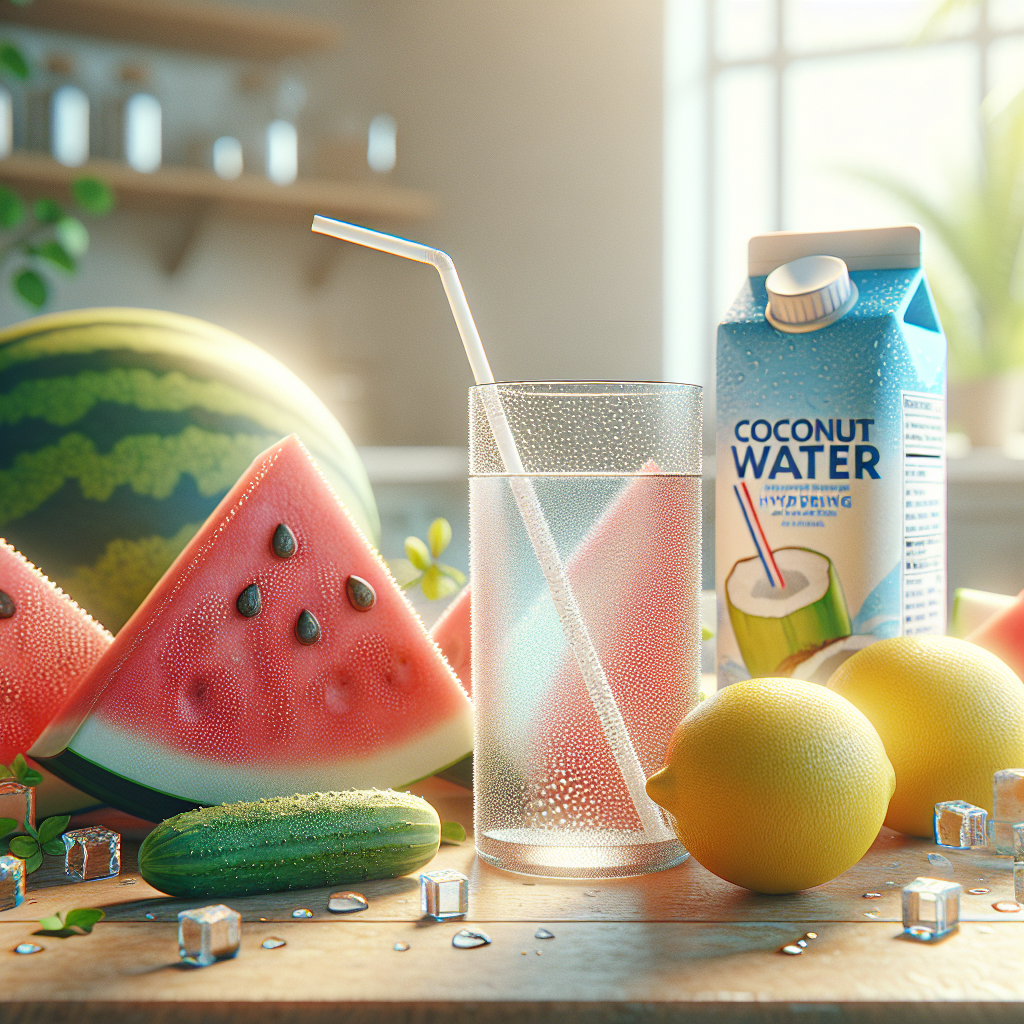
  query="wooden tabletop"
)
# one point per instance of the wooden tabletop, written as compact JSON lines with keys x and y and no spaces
{"x":677,"y":945}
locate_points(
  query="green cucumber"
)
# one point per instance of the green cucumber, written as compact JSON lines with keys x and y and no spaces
{"x":294,"y":842}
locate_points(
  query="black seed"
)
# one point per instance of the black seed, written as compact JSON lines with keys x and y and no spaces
{"x":249,"y":601}
{"x":284,"y":543}
{"x":307,"y":629}
{"x":6,"y":605}
{"x":361,"y":595}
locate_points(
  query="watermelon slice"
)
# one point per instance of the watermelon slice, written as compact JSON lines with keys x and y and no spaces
{"x":452,"y":634}
{"x":1003,"y":635}
{"x":276,"y":655}
{"x":47,"y":645}
{"x":972,"y":608}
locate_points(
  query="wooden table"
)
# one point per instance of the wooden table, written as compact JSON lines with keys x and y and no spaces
{"x":678,"y":945}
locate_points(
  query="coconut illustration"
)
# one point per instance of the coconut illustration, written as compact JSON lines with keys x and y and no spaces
{"x":773,"y":623}
{"x":818,"y":665}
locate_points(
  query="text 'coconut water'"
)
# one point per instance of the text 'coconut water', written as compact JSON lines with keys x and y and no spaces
{"x":831,"y":490}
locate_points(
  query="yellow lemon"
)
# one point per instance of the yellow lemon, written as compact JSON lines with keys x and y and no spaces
{"x":775,"y":784}
{"x":950,"y":714}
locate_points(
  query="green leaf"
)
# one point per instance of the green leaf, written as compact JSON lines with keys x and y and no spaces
{"x":31,"y":777}
{"x":452,"y":832}
{"x":34,"y":863}
{"x":12,"y":209}
{"x":55,"y":253}
{"x":93,"y":196}
{"x":51,"y":924}
{"x":30,"y":286}
{"x":417,"y":553}
{"x":53,"y":827}
{"x":439,"y":536}
{"x":6,"y":772}
{"x":19,"y":766}
{"x":436,"y":585}
{"x":452,"y":573}
{"x":24,"y":847}
{"x":55,"y":848}
{"x":47,"y":211}
{"x":84,"y":918}
{"x":405,"y":573}
{"x":73,"y":236}
{"x":11,"y":60}
{"x":7,"y":825}
{"x":705,"y":633}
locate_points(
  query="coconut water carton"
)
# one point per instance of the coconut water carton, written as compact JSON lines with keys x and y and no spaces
{"x":830,"y":515}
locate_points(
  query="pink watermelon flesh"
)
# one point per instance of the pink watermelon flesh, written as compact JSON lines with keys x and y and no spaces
{"x":452,"y":634}
{"x":196,"y":700}
{"x":1003,"y":635}
{"x":47,"y":645}
{"x":637,"y":581}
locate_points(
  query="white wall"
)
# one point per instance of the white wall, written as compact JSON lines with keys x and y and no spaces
{"x":537,"y":124}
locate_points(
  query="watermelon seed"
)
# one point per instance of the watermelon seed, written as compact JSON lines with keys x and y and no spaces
{"x":361,"y":595}
{"x":7,"y":605}
{"x":249,"y":602}
{"x":307,"y":629}
{"x":283,"y":542}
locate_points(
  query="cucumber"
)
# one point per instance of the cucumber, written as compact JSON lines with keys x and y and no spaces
{"x":294,"y":842}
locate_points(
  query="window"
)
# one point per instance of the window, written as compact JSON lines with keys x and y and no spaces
{"x":773,"y":108}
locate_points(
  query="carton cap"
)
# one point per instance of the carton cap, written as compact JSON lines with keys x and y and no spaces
{"x":860,"y":249}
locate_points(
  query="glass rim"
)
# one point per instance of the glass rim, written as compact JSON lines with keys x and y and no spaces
{"x":656,"y":385}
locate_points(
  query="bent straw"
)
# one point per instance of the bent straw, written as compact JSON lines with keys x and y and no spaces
{"x":570,"y":617}
{"x":750,"y":516}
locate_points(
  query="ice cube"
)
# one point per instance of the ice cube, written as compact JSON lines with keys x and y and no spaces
{"x":960,"y":825}
{"x":1008,"y":795}
{"x":18,"y":802}
{"x":208,"y":934}
{"x":444,"y":894}
{"x":1000,"y":835}
{"x":91,"y":853}
{"x":12,"y":882}
{"x":931,"y":908}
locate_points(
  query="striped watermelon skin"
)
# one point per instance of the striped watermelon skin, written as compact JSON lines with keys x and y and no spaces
{"x":121,"y":430}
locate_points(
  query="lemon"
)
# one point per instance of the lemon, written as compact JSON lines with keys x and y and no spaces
{"x":775,"y":784}
{"x":950,"y":714}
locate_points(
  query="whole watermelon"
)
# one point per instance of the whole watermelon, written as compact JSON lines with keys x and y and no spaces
{"x":121,"y":430}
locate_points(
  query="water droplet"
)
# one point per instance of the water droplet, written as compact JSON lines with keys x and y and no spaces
{"x":792,"y":950}
{"x":250,"y":602}
{"x":938,"y":861}
{"x":273,"y":943}
{"x":400,"y":947}
{"x":302,"y":912}
{"x":979,"y":892}
{"x":361,"y":595}
{"x":346,"y":902}
{"x":469,"y":939}
{"x":811,"y":935}
{"x":283,"y":542}
{"x":151,"y":917}
{"x":802,"y":943}
{"x":919,"y":932}
{"x":892,"y":883}
{"x":1006,"y":907}
{"x":543,"y":933}
{"x":591,"y":892}
{"x":872,"y":913}
{"x":871,"y":896}
{"x":27,"y":947}
{"x":538,"y":952}
{"x":307,"y":629}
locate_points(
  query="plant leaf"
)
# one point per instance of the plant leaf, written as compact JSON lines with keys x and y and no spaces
{"x":73,"y":236}
{"x":433,"y":583}
{"x":439,"y":536}
{"x":34,"y":863}
{"x":47,"y":211}
{"x":23,"y":847}
{"x":417,"y":553}
{"x":31,"y":777}
{"x":30,"y":286}
{"x":705,"y":633}
{"x":453,"y":574}
{"x":11,"y":60}
{"x":56,"y":254}
{"x":84,"y":918}
{"x":92,"y":195}
{"x":19,"y":766}
{"x":7,"y":825}
{"x":12,"y":209}
{"x":55,"y":848}
{"x":52,"y":827}
{"x":405,"y":573}
{"x":52,"y":923}
{"x":452,"y":832}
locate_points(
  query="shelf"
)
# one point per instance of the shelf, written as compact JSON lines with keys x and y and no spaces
{"x":228,"y":31}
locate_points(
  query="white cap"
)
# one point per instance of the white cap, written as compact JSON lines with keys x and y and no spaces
{"x":808,"y":293}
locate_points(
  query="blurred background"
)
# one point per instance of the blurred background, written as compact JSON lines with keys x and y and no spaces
{"x":594,"y":167}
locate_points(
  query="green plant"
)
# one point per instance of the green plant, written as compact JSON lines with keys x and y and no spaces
{"x":45,"y":839}
{"x":21,"y":772}
{"x":61,"y":926}
{"x":421,"y":568}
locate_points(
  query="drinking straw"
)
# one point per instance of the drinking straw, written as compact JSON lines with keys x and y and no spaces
{"x":750,"y":516}
{"x":569,"y":615}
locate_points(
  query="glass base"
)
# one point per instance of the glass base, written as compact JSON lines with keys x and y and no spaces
{"x":577,"y":853}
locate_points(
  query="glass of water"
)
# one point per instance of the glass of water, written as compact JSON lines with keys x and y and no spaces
{"x":616,"y":470}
